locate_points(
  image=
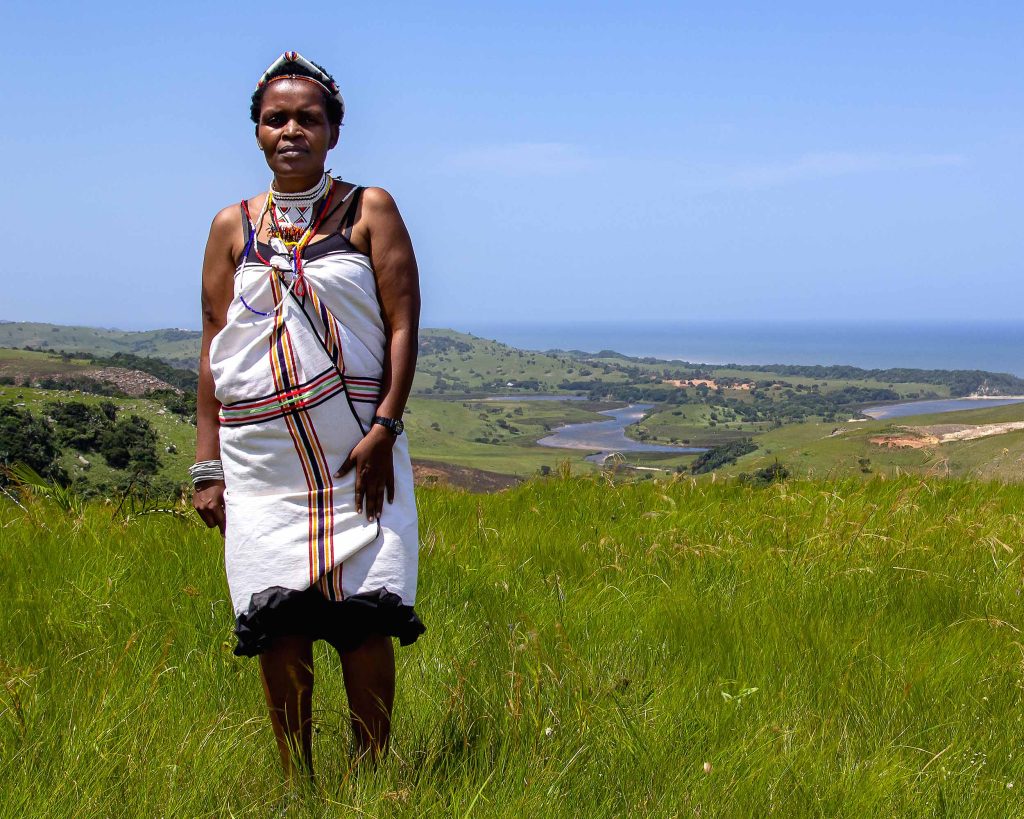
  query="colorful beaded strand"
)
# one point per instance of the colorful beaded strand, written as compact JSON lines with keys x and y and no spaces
{"x":297,"y":283}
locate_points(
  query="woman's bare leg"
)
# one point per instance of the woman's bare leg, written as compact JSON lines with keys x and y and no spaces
{"x":287,"y":671}
{"x":370,"y":685}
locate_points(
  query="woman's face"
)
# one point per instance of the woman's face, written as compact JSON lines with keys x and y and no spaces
{"x":293,"y":129}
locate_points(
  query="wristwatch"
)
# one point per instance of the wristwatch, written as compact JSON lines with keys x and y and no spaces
{"x":394,"y":425}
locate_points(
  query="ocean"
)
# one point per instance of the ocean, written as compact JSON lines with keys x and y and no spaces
{"x":996,"y":346}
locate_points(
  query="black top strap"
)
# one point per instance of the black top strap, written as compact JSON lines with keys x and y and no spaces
{"x":247,"y":227}
{"x":351,"y":199}
{"x":349,"y":219}
{"x":246,"y":220}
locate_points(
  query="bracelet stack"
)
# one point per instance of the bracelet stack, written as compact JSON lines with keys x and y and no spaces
{"x":206,"y":471}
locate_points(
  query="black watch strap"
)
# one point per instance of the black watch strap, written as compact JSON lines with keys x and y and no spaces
{"x":394,"y":425}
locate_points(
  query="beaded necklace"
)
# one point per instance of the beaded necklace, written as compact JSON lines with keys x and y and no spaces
{"x":292,"y":213}
{"x":287,"y":259}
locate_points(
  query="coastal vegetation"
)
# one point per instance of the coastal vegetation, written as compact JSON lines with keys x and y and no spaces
{"x":840,"y":648}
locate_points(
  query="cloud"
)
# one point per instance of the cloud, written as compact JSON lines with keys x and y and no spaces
{"x":525,"y":158}
{"x":829,"y":165}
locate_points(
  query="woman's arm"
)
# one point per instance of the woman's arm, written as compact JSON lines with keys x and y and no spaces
{"x":217,"y":292}
{"x":398,"y":285}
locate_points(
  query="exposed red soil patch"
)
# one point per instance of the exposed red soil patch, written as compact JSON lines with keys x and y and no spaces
{"x":426,"y":473}
{"x":924,"y":436}
{"x":130,"y":382}
{"x":711,"y":384}
{"x":902,"y":442}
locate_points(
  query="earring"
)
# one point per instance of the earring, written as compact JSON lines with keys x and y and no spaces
{"x":258,"y":145}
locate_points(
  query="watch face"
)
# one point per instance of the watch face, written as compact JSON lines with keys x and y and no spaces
{"x":391,"y":424}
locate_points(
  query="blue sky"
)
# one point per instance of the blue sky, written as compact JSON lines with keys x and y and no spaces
{"x":555,"y":162}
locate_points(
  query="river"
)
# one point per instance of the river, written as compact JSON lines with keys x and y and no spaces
{"x":609,"y":437}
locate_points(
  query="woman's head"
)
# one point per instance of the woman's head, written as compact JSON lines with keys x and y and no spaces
{"x":298,"y":110}
{"x":291,"y":64}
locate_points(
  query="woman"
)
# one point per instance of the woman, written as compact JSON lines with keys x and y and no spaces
{"x":310,"y":319}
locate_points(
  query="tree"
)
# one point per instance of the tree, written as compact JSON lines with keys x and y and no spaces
{"x":131,"y":444}
{"x":28,"y":439}
{"x":79,"y":425}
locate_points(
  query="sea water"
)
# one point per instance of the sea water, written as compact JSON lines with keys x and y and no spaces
{"x":996,"y":346}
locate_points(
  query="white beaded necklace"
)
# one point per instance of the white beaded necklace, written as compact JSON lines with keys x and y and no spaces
{"x":296,"y":209}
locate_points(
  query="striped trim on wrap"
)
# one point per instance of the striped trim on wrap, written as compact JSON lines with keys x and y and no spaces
{"x":314,"y":392}
{"x":312,"y":459}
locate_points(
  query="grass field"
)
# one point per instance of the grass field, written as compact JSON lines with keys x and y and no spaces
{"x":846,"y":648}
{"x":471,"y":363}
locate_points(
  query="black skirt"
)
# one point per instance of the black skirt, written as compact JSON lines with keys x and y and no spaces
{"x":345,"y":624}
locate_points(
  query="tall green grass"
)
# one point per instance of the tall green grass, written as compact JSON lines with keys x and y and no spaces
{"x":807,"y":649}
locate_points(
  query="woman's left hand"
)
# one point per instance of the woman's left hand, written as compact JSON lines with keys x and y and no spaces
{"x":375,"y":472}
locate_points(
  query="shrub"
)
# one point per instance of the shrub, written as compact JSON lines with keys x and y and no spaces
{"x":721,"y":455}
{"x":79,"y":425}
{"x":131,"y":444}
{"x":30,"y":440}
{"x":766,"y":475}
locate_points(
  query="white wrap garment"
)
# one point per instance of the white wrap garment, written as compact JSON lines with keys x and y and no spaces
{"x":298,"y":388}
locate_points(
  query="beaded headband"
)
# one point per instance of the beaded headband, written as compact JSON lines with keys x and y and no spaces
{"x":315,"y":75}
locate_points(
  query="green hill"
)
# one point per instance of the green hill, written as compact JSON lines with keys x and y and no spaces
{"x":177,"y":347}
{"x":453,"y":362}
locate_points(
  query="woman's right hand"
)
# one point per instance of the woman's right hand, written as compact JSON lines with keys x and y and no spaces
{"x":208,"y":500}
{"x":222,"y":252}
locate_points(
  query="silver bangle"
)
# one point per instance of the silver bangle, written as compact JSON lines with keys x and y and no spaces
{"x":206,"y":471}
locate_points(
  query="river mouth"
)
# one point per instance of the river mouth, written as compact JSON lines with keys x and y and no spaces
{"x":936,"y":406}
{"x":609,"y":437}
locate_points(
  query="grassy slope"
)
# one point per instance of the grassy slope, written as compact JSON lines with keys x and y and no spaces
{"x":810,"y":449}
{"x":178,"y":347}
{"x":488,"y":361}
{"x":826,"y":384}
{"x":693,"y":421}
{"x":170,"y":429}
{"x":18,"y":363}
{"x":841,"y":649}
{"x":461,"y":422}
